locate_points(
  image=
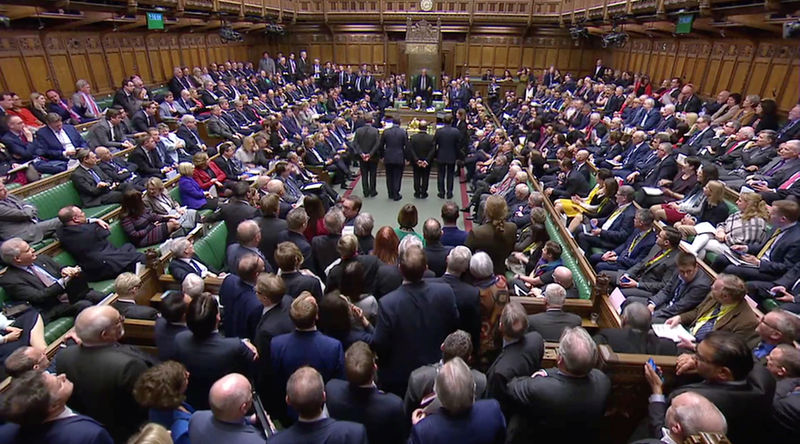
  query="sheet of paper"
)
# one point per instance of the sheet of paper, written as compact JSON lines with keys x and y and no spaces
{"x":704,"y":228}
{"x":617,"y":299}
{"x":652,"y":191}
{"x":673,"y":333}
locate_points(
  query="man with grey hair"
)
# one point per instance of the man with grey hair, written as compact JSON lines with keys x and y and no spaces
{"x":554,"y":319}
{"x":635,"y":335}
{"x":230,"y":399}
{"x":664,"y":168}
{"x":493,"y":295}
{"x":305,"y":393}
{"x":565,"y":403}
{"x":435,"y":252}
{"x":104,"y":371}
{"x":521,"y":354}
{"x":460,"y":418}
{"x":323,"y":246}
{"x":689,"y":414}
{"x":184,"y":263}
{"x":296,"y":224}
{"x":362,"y":228}
{"x":614,"y":229}
{"x":519,"y":208}
{"x":189,"y":134}
{"x":248,"y":233}
{"x":51,"y":288}
{"x":467,"y":295}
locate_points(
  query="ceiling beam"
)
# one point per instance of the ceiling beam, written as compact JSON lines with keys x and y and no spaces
{"x":89,"y":18}
{"x":142,"y":21}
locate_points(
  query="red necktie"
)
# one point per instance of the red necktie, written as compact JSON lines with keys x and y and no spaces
{"x":23,"y":137}
{"x":790,"y":181}
{"x":733,"y":147}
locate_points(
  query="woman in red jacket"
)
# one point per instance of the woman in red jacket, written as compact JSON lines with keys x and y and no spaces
{"x":207,"y":173}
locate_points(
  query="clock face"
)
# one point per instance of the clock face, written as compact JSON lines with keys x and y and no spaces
{"x":426,"y":5}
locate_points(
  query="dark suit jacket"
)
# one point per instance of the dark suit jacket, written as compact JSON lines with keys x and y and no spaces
{"x":127,"y":102}
{"x":145,"y":165}
{"x":297,"y":283}
{"x":371,"y":265}
{"x":558,"y":407}
{"x":104,"y":378}
{"x":747,"y":407}
{"x":47,"y":144}
{"x":232,"y":172}
{"x":141,"y":121}
{"x":421,"y":381}
{"x":366,"y":141}
{"x":25,"y":287}
{"x":89,"y":245}
{"x":413,"y":320}
{"x":235,"y":252}
{"x":468,"y":304}
{"x":653,"y":277}
{"x":208,"y":360}
{"x":436,"y":255}
{"x":483,"y":423}
{"x":381,"y":413}
{"x":273,"y":323}
{"x":218,"y":128}
{"x":91,"y":195}
{"x":785,"y":252}
{"x":392,"y":145}
{"x":551,"y":323}
{"x":233,"y":213}
{"x":272,"y":228}
{"x":22,"y":151}
{"x":626,"y":340}
{"x":187,"y":135}
{"x":420,"y":147}
{"x":786,"y":404}
{"x":323,"y":252}
{"x":328,"y":431}
{"x":242,"y":307}
{"x":621,"y":228}
{"x":520,"y":358}
{"x":667,"y":168}
{"x":113,"y":169}
{"x":165,"y":333}
{"x":78,"y":429}
{"x":448,"y":143}
{"x":180,"y":269}
{"x":298,"y":239}
{"x":575,"y":183}
{"x":690,"y":296}
{"x":627,"y":259}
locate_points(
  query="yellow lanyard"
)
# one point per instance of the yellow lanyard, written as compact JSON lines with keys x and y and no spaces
{"x":658,"y":258}
{"x":638,"y":239}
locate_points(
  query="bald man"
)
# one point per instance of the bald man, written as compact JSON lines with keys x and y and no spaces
{"x":305,"y":393}
{"x":104,"y":372}
{"x":689,"y":414}
{"x":230,"y":398}
{"x":563,"y":276}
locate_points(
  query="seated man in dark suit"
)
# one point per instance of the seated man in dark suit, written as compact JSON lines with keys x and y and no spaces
{"x":635,"y":335}
{"x":235,"y":211}
{"x":238,"y":297}
{"x":249,"y":236}
{"x":173,"y":308}
{"x":460,"y":418}
{"x":22,"y":405}
{"x":687,"y":289}
{"x":697,"y":414}
{"x":104,"y":371}
{"x":206,"y":353}
{"x":413,"y":320}
{"x":358,"y":399}
{"x":304,"y":346}
{"x":230,"y":399}
{"x":435,"y":252}
{"x":323,"y":247}
{"x":521,"y":355}
{"x":458,"y":344}
{"x":565,"y":403}
{"x":88,"y":243}
{"x":93,"y":185}
{"x":118,"y":169}
{"x":649,"y":276}
{"x":553,"y":320}
{"x":184,"y":262}
{"x":451,"y":234}
{"x":147,"y":159}
{"x":614,"y":229}
{"x":51,"y":288}
{"x":289,"y":258}
{"x":467,"y":295}
{"x":633,"y":250}
{"x":573,"y":183}
{"x":305,"y":394}
{"x":742,"y":391}
{"x":784,"y":364}
{"x":58,"y":141}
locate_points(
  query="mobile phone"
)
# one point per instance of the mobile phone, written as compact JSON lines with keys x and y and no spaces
{"x":653,"y":365}
{"x":624,"y":278}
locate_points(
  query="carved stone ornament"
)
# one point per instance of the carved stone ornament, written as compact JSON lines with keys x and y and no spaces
{"x":423,"y":32}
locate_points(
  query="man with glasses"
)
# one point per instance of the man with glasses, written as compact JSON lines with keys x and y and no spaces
{"x":104,"y":371}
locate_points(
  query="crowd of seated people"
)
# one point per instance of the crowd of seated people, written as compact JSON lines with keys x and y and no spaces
{"x":411,"y":333}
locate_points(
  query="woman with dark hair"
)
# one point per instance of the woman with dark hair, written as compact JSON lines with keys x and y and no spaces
{"x":692,"y":202}
{"x":385,"y":248}
{"x":352,"y":286}
{"x":766,"y":116}
{"x":335,"y":311}
{"x":316,"y":215}
{"x":683,"y":182}
{"x":643,"y":86}
{"x":407,"y":219}
{"x":497,"y":236}
{"x":142,"y":226}
{"x":162,"y":390}
{"x":727,"y":111}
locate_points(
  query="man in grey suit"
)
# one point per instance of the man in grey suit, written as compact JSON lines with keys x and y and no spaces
{"x":554,"y":320}
{"x":93,"y":185}
{"x":686,"y":290}
{"x":108,"y":132}
{"x":230,"y":399}
{"x":392,"y":145}
{"x":219,"y":128}
{"x":20,"y":219}
{"x":365,"y":146}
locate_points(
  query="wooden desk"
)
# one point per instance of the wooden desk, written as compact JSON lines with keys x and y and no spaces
{"x":407,"y":115}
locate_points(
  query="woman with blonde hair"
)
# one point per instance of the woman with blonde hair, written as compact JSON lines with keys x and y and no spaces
{"x":713,"y":210}
{"x":247,"y":152}
{"x":744,"y":227}
{"x":497,"y":236}
{"x":38,"y":106}
{"x":159,"y":202}
{"x":162,"y":390}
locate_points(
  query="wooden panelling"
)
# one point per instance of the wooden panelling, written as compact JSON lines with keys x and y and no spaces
{"x":37,"y":61}
{"x":768,"y":68}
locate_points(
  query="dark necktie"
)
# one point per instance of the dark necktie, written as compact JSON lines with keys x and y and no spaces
{"x":775,"y":168}
{"x":706,"y":328}
{"x":94,"y":176}
{"x":677,"y":292}
{"x":196,"y":267}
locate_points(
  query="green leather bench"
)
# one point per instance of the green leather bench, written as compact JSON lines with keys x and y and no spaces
{"x":581,"y":283}
{"x":50,"y":201}
{"x":175,"y":193}
{"x":53,"y":329}
{"x":210,"y":249}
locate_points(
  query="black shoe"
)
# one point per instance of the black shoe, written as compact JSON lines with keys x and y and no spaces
{"x":374,"y":194}
{"x":424,"y":195}
{"x":449,"y":195}
{"x":417,"y":196}
{"x":398,"y":197}
{"x":441,"y":195}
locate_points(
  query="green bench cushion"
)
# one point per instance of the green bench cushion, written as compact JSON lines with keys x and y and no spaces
{"x":584,"y":290}
{"x":210,"y":249}
{"x":53,"y":329}
{"x":50,"y":201}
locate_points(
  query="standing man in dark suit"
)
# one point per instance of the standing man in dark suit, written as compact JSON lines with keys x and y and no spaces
{"x":423,"y":86}
{"x":358,"y":399}
{"x":435,"y":252}
{"x":93,"y":185}
{"x":467,"y":295}
{"x":238,"y":295}
{"x":88,"y":243}
{"x":206,"y":353}
{"x":305,"y":394}
{"x":413,"y":321}
{"x":421,"y":153}
{"x":104,"y":371}
{"x":392,"y":147}
{"x":521,"y":354}
{"x":124,"y":99}
{"x":599,"y":70}
{"x":230,"y":400}
{"x":323,"y":246}
{"x":49,"y":287}
{"x":447,"y":142}
{"x":365,"y":146}
{"x":566,"y":403}
{"x":552,"y":322}
{"x":235,"y":211}
{"x":635,"y":336}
